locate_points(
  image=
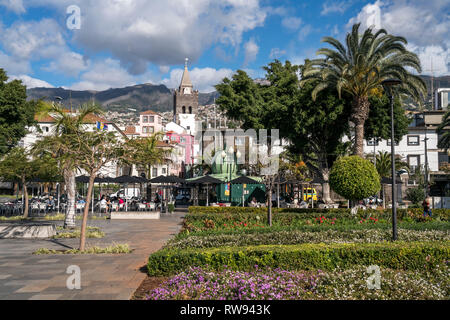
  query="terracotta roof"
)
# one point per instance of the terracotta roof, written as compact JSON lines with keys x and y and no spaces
{"x":149,"y":112}
{"x":130,"y":130}
{"x":87,"y":119}
{"x":163,"y":144}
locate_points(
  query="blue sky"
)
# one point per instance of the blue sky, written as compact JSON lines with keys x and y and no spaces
{"x":126,"y":42}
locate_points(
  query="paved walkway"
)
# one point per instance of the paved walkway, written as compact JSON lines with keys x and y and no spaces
{"x":25,"y":276}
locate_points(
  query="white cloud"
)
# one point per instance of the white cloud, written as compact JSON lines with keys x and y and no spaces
{"x":424,"y":24}
{"x":291,"y":23}
{"x":104,"y":75}
{"x":304,"y":32}
{"x":161,"y":32}
{"x":13,"y":65}
{"x":68,"y":63}
{"x":251,"y":51}
{"x":335,"y":7}
{"x":32,"y":82}
{"x":33,"y":39}
{"x":276,"y":53}
{"x":13,"y":5}
{"x":203,"y":79}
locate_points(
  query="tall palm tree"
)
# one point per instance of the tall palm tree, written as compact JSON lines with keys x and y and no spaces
{"x":65,"y":126}
{"x":444,"y":139}
{"x":360,"y":68}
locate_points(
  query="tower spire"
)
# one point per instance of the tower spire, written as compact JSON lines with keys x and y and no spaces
{"x":186,"y":80}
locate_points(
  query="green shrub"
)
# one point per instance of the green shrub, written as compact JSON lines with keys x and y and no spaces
{"x":171,"y":207}
{"x":289,"y":237}
{"x":113,"y":249}
{"x":415,"y":195}
{"x":399,"y":255}
{"x":354,"y":178}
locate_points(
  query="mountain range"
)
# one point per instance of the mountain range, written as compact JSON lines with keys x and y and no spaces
{"x":141,"y":97}
{"x":144,"y":97}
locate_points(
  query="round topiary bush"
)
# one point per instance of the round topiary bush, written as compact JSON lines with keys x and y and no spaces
{"x":354,"y":178}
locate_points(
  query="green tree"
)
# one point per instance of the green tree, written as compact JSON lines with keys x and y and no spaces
{"x":443,"y":132}
{"x":360,"y":68}
{"x":66,"y":126}
{"x":16,"y":113}
{"x":416,"y":195}
{"x":91,"y":151}
{"x":18,"y":166}
{"x":145,"y":152}
{"x":354,"y":178}
{"x":313,"y":128}
{"x":378,"y":124}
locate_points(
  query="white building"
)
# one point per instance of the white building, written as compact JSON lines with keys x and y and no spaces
{"x":46,"y":125}
{"x":412,"y":146}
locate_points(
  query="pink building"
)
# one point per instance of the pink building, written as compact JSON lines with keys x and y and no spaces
{"x":186,"y":140}
{"x":150,"y":122}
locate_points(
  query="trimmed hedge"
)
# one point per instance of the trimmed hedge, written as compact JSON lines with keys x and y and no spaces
{"x":398,"y":255}
{"x":297,"y":237}
{"x":414,"y":213}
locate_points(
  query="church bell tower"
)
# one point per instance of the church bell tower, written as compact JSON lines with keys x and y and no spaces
{"x":185,"y":102}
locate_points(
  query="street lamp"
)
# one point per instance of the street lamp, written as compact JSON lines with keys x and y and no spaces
{"x":389,"y":84}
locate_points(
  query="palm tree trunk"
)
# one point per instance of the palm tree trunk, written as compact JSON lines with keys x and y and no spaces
{"x":25,"y":197}
{"x":69,"y":180}
{"x":86,"y":212}
{"x":360,"y":112}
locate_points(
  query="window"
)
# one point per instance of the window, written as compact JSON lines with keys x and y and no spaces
{"x":183,"y":140}
{"x":413,"y":140}
{"x":155,"y":172}
{"x":190,"y":109}
{"x":183,"y":109}
{"x":151,"y":129}
{"x":46,"y":129}
{"x":151,"y":119}
{"x":164,"y":170}
{"x":145,"y":119}
{"x":413,"y":162}
{"x":389,"y":142}
{"x":372,"y":142}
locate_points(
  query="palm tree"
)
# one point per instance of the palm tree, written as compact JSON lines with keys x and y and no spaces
{"x":444,"y":139}
{"x":359,"y":70}
{"x":66,"y":125}
{"x":383,"y":164}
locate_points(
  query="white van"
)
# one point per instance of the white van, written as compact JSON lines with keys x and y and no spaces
{"x":127,"y":193}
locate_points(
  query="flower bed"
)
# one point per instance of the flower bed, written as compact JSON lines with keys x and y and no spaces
{"x":267,"y":284}
{"x":398,"y":255}
{"x":290,"y":237}
{"x":225,"y":218}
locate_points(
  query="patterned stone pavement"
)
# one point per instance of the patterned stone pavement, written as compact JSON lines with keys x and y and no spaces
{"x":25,"y":276}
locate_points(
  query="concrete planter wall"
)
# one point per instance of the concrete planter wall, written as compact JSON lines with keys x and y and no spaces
{"x":27,"y":231}
{"x":135,"y":215}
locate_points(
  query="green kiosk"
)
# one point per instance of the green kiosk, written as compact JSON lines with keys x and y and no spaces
{"x":225,"y":169}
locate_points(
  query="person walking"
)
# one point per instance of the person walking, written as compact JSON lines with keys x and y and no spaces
{"x":109,"y":207}
{"x":426,"y":207}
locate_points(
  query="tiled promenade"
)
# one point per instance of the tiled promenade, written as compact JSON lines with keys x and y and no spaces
{"x":110,"y":277}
